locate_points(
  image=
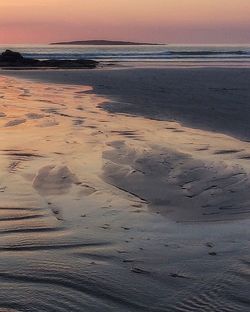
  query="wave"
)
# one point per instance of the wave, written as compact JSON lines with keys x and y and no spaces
{"x":193,"y":53}
{"x":210,"y":52}
{"x":140,"y":55}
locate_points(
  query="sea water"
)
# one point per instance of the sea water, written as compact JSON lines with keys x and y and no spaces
{"x":180,"y":55}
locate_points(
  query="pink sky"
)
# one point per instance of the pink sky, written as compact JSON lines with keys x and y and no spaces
{"x":170,"y":21}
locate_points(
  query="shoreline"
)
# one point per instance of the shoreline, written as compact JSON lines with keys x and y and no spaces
{"x":202,"y":98}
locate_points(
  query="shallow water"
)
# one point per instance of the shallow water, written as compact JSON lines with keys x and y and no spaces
{"x":77,"y":233}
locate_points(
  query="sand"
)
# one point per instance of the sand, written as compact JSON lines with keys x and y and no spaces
{"x":108,"y":206}
{"x":214,"y":99}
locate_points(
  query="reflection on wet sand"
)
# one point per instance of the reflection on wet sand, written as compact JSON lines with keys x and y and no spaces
{"x":89,"y":204}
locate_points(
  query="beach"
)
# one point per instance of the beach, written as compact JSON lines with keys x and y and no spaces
{"x":125,"y":189}
{"x":214,"y":99}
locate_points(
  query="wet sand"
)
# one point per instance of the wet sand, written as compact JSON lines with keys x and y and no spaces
{"x":213,"y":99}
{"x":113,"y":212}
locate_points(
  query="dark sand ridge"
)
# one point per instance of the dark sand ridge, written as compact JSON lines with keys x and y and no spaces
{"x":83,"y":244}
{"x":214,"y":99}
{"x":178,"y":185}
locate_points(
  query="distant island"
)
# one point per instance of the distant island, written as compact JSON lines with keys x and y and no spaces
{"x":103,"y":42}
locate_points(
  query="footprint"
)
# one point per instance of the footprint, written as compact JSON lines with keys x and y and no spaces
{"x":34,"y":116}
{"x":54,"y":180}
{"x":15,"y":122}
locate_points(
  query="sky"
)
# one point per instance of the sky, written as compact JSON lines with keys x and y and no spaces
{"x":164,"y":21}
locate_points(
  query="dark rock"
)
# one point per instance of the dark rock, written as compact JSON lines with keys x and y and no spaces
{"x":11,"y":56}
{"x":210,"y":245}
{"x":11,"y":59}
{"x":212,"y":253}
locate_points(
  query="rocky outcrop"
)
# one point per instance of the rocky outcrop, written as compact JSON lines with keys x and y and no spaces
{"x":11,"y":59}
{"x":11,"y":56}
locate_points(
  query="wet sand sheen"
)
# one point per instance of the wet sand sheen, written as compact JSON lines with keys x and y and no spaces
{"x":90,"y":200}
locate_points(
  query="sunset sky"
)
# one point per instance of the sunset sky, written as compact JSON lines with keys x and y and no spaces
{"x":170,"y":21}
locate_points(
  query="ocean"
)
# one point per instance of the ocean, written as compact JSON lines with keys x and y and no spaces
{"x":180,"y":55}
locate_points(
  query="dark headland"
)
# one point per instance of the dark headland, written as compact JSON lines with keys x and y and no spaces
{"x":103,"y":42}
{"x":15,"y":60}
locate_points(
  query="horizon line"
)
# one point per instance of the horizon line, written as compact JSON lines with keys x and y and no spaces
{"x":156,"y":43}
